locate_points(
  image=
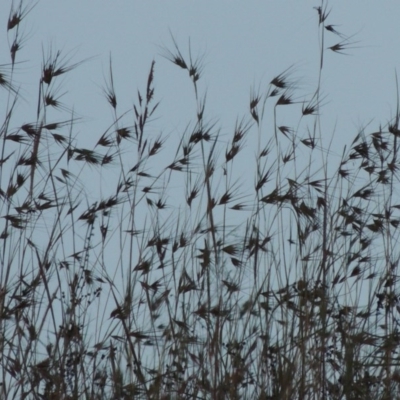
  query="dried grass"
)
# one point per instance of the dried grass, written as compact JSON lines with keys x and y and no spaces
{"x":285,"y":291}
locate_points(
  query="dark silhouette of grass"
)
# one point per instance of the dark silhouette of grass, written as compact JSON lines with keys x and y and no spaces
{"x":284,"y":291}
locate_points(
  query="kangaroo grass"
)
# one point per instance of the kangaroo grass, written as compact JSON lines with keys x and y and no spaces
{"x":147,"y":265}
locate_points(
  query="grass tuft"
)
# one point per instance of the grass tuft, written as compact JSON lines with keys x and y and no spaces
{"x":135,"y":264}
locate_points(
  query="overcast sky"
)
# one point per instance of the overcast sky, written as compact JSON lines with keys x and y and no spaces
{"x":244,"y":44}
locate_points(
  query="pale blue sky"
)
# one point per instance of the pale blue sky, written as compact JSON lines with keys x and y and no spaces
{"x":245,"y":44}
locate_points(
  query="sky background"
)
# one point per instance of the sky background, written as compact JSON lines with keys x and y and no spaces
{"x":243,"y":44}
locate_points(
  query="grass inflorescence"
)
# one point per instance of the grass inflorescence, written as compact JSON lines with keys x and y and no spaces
{"x":195,"y":272}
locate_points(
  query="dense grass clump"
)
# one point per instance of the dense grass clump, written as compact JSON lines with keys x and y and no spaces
{"x":197,"y":271}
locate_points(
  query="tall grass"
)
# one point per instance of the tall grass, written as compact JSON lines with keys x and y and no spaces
{"x":210,"y":276}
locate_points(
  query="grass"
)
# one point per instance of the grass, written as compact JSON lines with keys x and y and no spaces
{"x":178,"y":281}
